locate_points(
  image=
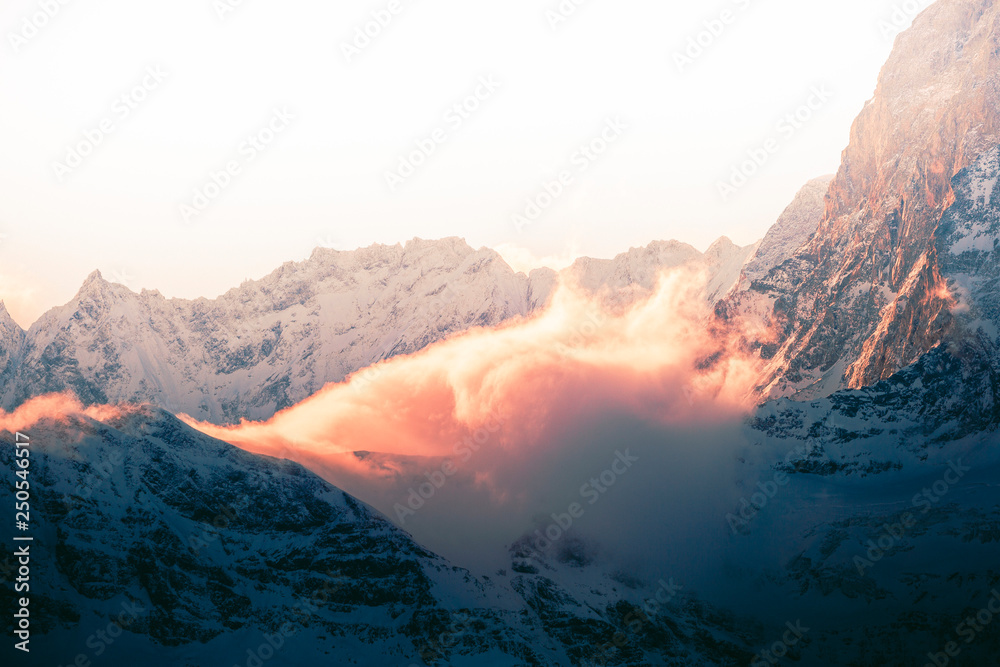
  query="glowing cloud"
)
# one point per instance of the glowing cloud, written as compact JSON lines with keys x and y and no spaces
{"x":664,"y":359}
{"x":57,"y":407}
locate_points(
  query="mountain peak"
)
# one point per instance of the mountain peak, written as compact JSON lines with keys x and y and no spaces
{"x":796,"y":225}
{"x":6,"y":321}
{"x":94,"y":285}
{"x":721,"y":245}
{"x":455,"y":242}
{"x":869,"y":253}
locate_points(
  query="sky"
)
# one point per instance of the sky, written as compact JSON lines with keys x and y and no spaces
{"x":188,"y":146}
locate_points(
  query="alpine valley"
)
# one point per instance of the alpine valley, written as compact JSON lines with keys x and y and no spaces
{"x":851,"y":518}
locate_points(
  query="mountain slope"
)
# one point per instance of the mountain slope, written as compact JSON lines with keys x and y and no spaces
{"x":12,"y":339}
{"x":211,"y":551}
{"x":216,"y":547}
{"x":272,"y":343}
{"x":864,"y":297}
{"x":797,"y":224}
{"x":267,"y":344}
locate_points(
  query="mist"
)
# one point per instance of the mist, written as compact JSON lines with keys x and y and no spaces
{"x":483,"y":439}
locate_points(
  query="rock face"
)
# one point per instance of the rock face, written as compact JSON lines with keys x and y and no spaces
{"x":11,"y":338}
{"x":795,"y":227}
{"x":968,"y":248}
{"x":865,"y":297}
{"x":270,"y":344}
{"x":952,"y":391}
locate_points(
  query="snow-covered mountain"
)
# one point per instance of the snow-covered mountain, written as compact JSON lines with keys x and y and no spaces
{"x":11,"y":338}
{"x":211,"y":552}
{"x":272,"y":343}
{"x":633,"y":274}
{"x":795,"y":227}
{"x":870,"y":502}
{"x":883,"y":526}
{"x":267,"y":344}
{"x":887,"y":522}
{"x":864,"y":296}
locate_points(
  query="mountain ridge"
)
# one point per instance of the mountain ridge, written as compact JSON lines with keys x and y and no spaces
{"x":864,"y":297}
{"x":271,"y":343}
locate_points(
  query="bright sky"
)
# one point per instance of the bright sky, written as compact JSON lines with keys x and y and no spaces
{"x":199,"y":77}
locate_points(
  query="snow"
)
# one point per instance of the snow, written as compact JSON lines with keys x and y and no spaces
{"x":978,"y":237}
{"x":796,"y":225}
{"x":269,"y":344}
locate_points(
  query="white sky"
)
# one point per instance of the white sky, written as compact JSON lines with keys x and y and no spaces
{"x":322,"y":179}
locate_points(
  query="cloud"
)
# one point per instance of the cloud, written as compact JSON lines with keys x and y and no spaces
{"x":478,"y":440}
{"x":515,"y":419}
{"x":56,"y":407}
{"x":665,"y":359}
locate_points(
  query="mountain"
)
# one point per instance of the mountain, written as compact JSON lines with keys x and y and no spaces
{"x":864,"y":296}
{"x":272,"y":343}
{"x":886,"y":525}
{"x":202,"y":552}
{"x":883,"y":524}
{"x":634,"y":274}
{"x":11,"y":338}
{"x":795,"y":227}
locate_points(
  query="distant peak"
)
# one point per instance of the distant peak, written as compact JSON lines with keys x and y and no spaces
{"x":93,"y":285}
{"x":722,"y":242}
{"x":453,"y":242}
{"x":323,"y":250}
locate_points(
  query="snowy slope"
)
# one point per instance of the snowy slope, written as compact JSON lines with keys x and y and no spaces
{"x":882,"y":532}
{"x":12,"y":339}
{"x":864,"y":296}
{"x":269,"y":344}
{"x":795,"y":227}
{"x":214,"y":549}
{"x":214,"y":544}
{"x":886,"y":528}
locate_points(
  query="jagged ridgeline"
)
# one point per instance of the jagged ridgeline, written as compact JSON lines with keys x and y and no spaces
{"x":272,"y":343}
{"x":870,"y":503}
